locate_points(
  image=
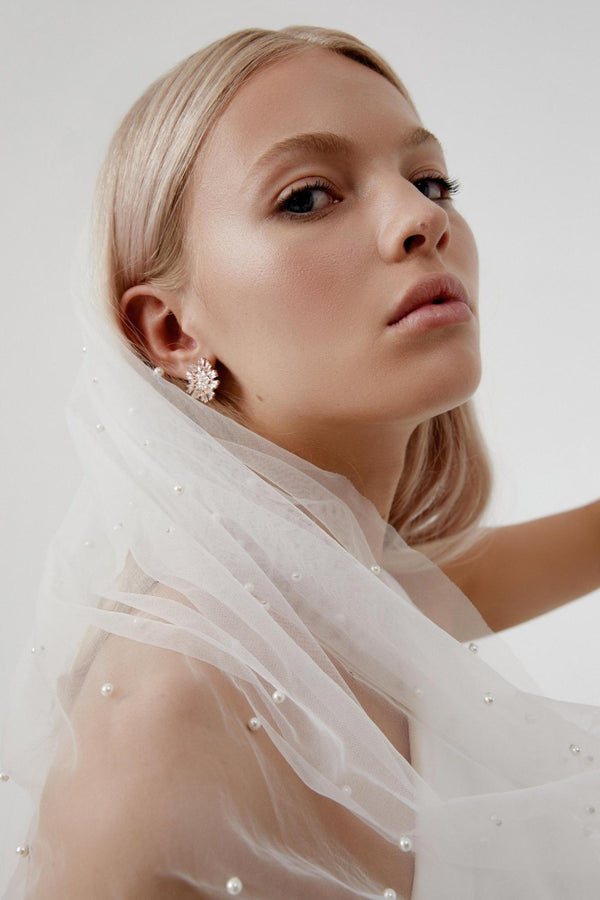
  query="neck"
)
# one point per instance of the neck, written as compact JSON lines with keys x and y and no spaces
{"x":370,"y":455}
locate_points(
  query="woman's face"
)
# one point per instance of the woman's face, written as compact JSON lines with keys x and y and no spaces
{"x":301,"y":255}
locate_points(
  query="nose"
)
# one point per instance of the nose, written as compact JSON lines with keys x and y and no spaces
{"x":412,"y":224}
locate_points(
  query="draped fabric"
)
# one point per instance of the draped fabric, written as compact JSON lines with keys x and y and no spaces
{"x":244,"y":682}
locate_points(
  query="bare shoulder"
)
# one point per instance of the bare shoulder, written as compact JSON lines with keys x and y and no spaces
{"x":151,"y":739}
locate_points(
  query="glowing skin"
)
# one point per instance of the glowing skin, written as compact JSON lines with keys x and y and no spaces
{"x":295,"y":310}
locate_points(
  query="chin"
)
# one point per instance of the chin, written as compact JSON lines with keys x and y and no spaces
{"x":456,"y":387}
{"x":446,"y":382}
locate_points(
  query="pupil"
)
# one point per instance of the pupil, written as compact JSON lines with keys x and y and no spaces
{"x":302,"y":201}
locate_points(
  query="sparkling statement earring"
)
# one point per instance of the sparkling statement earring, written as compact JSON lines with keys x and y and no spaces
{"x":202,"y":380}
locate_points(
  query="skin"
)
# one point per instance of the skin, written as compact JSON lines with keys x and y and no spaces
{"x":105,"y":828}
{"x":295,"y":315}
{"x":295,"y":312}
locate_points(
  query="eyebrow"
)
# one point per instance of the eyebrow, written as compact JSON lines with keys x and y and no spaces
{"x":327,"y":143}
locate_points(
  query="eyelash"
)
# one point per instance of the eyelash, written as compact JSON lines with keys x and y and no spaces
{"x":449,"y":186}
{"x":316,"y":185}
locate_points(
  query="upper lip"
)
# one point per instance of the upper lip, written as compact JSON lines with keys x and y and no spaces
{"x":437,"y":286}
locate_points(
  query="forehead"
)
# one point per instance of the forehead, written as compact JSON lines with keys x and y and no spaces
{"x":314,"y":90}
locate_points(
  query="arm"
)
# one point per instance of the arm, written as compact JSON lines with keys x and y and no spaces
{"x":518,"y":572}
{"x":170,"y":794}
{"x":105,"y":825}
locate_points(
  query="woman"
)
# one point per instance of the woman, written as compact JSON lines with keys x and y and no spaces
{"x":244,"y":680}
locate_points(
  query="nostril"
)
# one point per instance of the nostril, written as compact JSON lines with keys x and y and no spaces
{"x":414,"y":241}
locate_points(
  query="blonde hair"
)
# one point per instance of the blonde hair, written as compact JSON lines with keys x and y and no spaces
{"x":141,"y":220}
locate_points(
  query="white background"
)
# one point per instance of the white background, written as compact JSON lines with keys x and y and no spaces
{"x":513,"y":91}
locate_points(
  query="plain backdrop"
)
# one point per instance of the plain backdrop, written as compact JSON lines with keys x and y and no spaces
{"x":513,"y":91}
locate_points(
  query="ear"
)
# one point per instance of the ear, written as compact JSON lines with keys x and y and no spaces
{"x":150,"y":318}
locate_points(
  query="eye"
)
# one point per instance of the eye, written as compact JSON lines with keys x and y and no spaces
{"x":436,"y":187}
{"x":306,"y":200}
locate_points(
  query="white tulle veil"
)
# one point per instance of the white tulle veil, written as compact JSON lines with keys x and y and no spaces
{"x":193,"y":535}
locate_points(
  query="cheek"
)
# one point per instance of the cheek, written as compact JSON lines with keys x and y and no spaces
{"x":276,"y":288}
{"x":465,"y":248}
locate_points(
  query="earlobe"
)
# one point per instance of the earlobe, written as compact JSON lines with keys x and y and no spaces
{"x":150,"y":319}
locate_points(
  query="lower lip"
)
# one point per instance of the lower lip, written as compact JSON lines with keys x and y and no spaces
{"x":435,"y":315}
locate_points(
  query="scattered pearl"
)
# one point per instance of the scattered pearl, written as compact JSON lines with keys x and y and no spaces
{"x":296,"y":576}
{"x":117,"y":526}
{"x":234,"y":886}
{"x":265,"y":603}
{"x":474,"y":648}
{"x":4,"y":776}
{"x":496,"y":820}
{"x":99,"y":426}
{"x":23,"y":850}
{"x":418,"y":692}
{"x":107,"y":689}
{"x":278,"y":696}
{"x":390,"y":894}
{"x":178,"y":488}
{"x":88,"y":544}
{"x":489,"y":699}
{"x":147,"y":443}
{"x":84,"y":349}
{"x":159,"y":371}
{"x":94,"y":380}
{"x":346,"y":789}
{"x":575,"y":749}
{"x":376,"y":570}
{"x":405,"y":844}
{"x":254,"y":723}
{"x":131,"y":410}
{"x":170,"y":529}
{"x":250,"y":587}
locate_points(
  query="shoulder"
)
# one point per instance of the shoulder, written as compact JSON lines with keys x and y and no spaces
{"x":151,"y":738}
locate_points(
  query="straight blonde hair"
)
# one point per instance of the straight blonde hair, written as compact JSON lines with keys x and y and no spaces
{"x":141,"y":222}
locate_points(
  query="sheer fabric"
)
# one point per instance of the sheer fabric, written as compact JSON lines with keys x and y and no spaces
{"x":244,"y":682}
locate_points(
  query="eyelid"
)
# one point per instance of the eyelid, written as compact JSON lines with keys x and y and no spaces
{"x":314,"y":182}
{"x":447,"y":185}
{"x":429,"y":173}
{"x":451,"y":185}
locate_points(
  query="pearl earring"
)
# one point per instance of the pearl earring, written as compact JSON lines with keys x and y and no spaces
{"x":202,"y":380}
